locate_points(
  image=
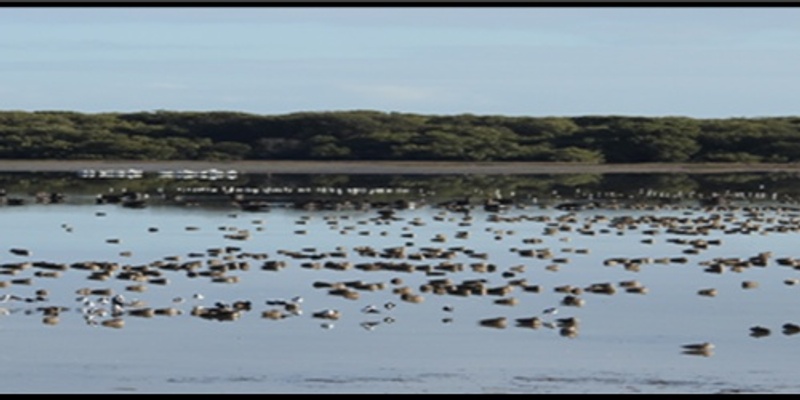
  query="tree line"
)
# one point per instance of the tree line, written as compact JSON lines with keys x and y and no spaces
{"x":373,"y":135}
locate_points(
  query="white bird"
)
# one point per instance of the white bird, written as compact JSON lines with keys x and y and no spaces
{"x":117,"y":309}
{"x":8,"y":297}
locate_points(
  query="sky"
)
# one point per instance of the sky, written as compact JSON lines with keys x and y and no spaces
{"x":713,"y":62}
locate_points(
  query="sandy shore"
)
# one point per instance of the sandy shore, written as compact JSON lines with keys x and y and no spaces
{"x":391,"y":167}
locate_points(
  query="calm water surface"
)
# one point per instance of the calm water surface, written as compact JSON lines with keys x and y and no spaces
{"x":625,"y":342}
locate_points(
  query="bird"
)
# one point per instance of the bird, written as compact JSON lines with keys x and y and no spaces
{"x":8,"y":297}
{"x":118,"y":300}
{"x":222,"y":305}
{"x":790,"y":328}
{"x":293,"y":308}
{"x":370,"y":309}
{"x":759,"y":331}
{"x":117,"y":309}
{"x":327,"y":314}
{"x":369,"y":325}
{"x":699,"y":349}
{"x":704,"y":346}
{"x":567,"y":322}
{"x":499,"y":322}
{"x":551,"y":311}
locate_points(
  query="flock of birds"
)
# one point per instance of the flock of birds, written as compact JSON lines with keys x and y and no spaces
{"x":438,"y":262}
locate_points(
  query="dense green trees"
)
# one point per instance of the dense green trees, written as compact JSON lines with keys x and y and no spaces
{"x":372,"y":135}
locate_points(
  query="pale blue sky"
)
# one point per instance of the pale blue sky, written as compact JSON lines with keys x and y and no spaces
{"x":715,"y":62}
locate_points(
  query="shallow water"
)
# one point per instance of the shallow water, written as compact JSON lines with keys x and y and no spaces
{"x":625,"y":342}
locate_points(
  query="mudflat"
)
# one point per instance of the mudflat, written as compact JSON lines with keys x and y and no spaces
{"x":392,"y":167}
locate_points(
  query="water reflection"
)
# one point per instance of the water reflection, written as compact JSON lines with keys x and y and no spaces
{"x":434,"y":188}
{"x":374,"y":284}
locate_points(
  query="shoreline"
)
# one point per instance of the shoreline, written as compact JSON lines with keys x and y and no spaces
{"x":393,"y":167}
